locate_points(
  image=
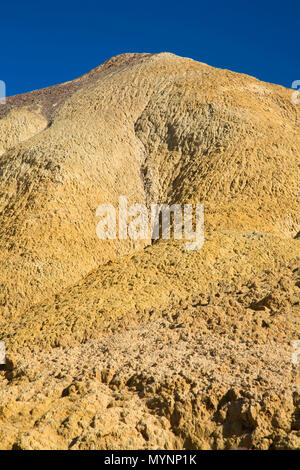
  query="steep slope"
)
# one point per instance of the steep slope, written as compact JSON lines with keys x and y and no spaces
{"x":155,"y":128}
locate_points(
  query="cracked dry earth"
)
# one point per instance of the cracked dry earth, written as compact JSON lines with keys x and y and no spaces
{"x":128,"y":345}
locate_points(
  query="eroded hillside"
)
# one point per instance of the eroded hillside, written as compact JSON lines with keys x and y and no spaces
{"x":197,"y":343}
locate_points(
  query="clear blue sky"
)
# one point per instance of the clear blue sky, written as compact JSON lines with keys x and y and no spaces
{"x":45,"y":43}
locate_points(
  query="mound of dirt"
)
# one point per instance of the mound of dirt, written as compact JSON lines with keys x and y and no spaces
{"x":126,"y":344}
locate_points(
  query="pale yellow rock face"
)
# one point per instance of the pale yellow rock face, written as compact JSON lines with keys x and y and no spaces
{"x":176,"y":345}
{"x":18,"y":126}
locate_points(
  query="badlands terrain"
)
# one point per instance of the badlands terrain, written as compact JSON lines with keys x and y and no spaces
{"x":122,"y":344}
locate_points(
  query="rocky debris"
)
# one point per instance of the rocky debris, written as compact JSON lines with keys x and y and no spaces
{"x":153,"y":387}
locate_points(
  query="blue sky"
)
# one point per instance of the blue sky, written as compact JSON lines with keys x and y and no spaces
{"x":43,"y":44}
